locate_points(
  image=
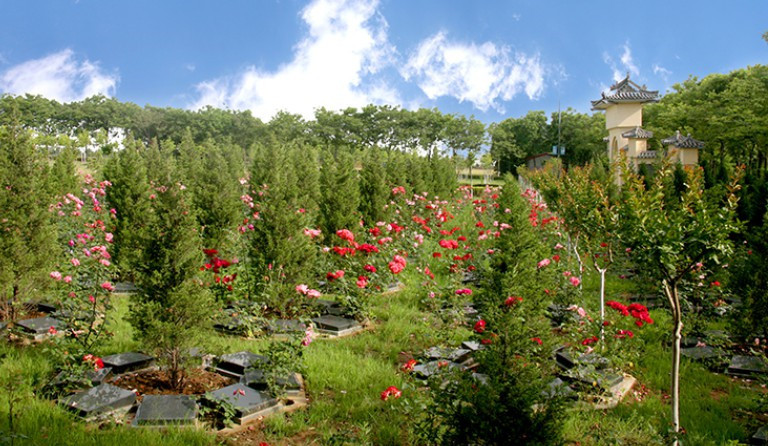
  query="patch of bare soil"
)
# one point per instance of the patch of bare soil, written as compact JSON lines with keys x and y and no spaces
{"x":157,"y":382}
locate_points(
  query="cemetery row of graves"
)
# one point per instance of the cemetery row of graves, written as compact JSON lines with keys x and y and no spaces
{"x":200,"y":294}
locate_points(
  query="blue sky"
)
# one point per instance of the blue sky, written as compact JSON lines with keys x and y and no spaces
{"x":491,"y":58}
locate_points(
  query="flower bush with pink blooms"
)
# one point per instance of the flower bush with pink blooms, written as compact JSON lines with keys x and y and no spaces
{"x":84,"y":272}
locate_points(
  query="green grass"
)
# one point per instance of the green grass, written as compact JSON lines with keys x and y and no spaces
{"x":345,"y":376}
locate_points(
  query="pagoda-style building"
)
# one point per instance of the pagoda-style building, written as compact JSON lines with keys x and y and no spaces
{"x":683,"y":149}
{"x":624,"y":120}
{"x":623,"y":107}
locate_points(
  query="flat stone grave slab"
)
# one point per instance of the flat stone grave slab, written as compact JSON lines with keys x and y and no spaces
{"x":257,"y":380}
{"x":160,"y":410}
{"x":91,"y":378}
{"x":336,"y":325}
{"x":392,"y":287}
{"x":700,"y":353}
{"x":558,"y":387}
{"x":600,"y":362}
{"x":128,"y":362}
{"x":39,"y":326}
{"x":247,"y":402}
{"x":286,"y":326}
{"x":126,"y":287}
{"x":472,"y":345}
{"x":326,"y":306}
{"x":424,"y":371}
{"x":235,"y":364}
{"x":100,"y":400}
{"x":230,"y":324}
{"x":481,"y":378}
{"x":46,"y":307}
{"x":588,"y":374}
{"x":564,"y":359}
{"x":616,"y":393}
{"x":747,"y":366}
{"x":451,"y":354}
{"x":761,"y":436}
{"x":468,"y":277}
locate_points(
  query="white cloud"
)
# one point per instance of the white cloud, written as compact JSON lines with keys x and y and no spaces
{"x":626,"y":64}
{"x":345,"y":44}
{"x":60,"y":76}
{"x":481,"y":74}
{"x":662,"y":72}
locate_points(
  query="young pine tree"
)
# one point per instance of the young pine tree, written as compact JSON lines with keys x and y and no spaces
{"x":373,"y":187}
{"x":172,"y":309}
{"x":129,"y":196}
{"x":340,"y":192}
{"x":27,"y":231}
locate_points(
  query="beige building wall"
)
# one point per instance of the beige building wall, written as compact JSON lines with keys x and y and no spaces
{"x":624,"y":115}
{"x":689,"y":157}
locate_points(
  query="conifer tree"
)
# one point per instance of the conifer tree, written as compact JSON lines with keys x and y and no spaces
{"x":373,"y":187}
{"x":304,"y":159}
{"x":129,"y":196}
{"x":396,"y":175}
{"x":444,"y":175}
{"x":279,"y":217}
{"x":63,"y":175}
{"x":27,"y":232}
{"x":340,"y":192}
{"x":212,"y":177}
{"x":172,"y":308}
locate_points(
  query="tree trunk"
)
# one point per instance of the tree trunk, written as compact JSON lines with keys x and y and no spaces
{"x":670,"y":290}
{"x":602,"y":306}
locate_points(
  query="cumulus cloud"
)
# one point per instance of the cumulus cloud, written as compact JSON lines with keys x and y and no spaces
{"x":662,"y":72}
{"x":332,"y":65}
{"x":626,"y":64}
{"x":481,"y":74}
{"x":60,"y":76}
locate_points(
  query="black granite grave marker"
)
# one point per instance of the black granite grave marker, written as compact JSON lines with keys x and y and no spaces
{"x":40,"y":326}
{"x":99,"y":400}
{"x":244,"y":399}
{"x":235,"y":364}
{"x":747,"y":366}
{"x":166,"y":409}
{"x":335,"y":324}
{"x":127,"y":362}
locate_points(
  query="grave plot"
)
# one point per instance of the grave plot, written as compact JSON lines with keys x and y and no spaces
{"x":39,"y":328}
{"x":128,"y":362}
{"x":163,"y":410}
{"x":747,"y":366}
{"x":100,"y":401}
{"x":426,"y":370}
{"x":331,"y":307}
{"x":234,"y":365}
{"x":248,"y":403}
{"x":286,"y":326}
{"x":125,"y":287}
{"x":336,"y":325}
{"x":701,"y":353}
{"x":760,"y":437}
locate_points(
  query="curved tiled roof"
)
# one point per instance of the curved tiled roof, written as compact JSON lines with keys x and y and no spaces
{"x":683,"y":142}
{"x":638,"y":133}
{"x":626,"y":91}
{"x":647,"y":154}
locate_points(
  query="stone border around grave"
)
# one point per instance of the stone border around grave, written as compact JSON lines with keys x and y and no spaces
{"x":294,"y":400}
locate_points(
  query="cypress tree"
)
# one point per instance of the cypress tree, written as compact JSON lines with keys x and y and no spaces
{"x":129,"y":196}
{"x":27,"y":231}
{"x":172,"y":309}
{"x":373,"y":187}
{"x":340,"y":192}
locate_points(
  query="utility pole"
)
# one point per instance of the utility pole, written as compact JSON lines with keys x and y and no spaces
{"x":559,"y":122}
